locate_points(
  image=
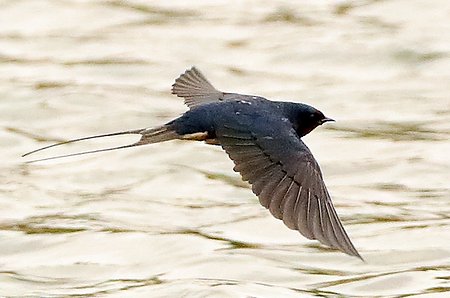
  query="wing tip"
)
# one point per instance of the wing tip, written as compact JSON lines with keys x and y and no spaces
{"x":185,"y":77}
{"x":354,"y":253}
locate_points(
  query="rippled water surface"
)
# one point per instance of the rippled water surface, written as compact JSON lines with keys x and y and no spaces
{"x":173,"y":219}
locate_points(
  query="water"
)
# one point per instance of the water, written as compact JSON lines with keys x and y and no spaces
{"x":173,"y":219}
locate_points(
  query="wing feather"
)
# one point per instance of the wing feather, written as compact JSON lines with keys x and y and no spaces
{"x":289,"y":217}
{"x":265,"y":196}
{"x":278,"y":196}
{"x":193,"y":86}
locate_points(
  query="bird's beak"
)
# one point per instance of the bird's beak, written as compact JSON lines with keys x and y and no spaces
{"x":326,"y":120}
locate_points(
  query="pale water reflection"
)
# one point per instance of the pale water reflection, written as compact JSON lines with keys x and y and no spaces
{"x":173,"y":219}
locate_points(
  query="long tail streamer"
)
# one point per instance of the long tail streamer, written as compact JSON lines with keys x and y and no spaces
{"x":148,"y":136}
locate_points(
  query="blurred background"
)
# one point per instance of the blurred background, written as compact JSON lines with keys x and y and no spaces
{"x":173,"y":219}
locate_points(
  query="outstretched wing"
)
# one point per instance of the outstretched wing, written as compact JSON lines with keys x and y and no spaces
{"x":195,"y":88}
{"x":286,"y":178}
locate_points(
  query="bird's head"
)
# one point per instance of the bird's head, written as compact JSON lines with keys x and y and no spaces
{"x":305,"y":118}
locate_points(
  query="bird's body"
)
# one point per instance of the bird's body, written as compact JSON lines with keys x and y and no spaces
{"x":263,"y":138}
{"x":252,"y":112}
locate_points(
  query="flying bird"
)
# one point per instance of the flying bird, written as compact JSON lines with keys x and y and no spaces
{"x":263,"y":138}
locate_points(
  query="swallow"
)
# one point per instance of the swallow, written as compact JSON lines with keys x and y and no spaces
{"x":263,"y":139}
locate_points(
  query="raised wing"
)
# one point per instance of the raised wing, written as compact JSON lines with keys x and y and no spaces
{"x":286,"y":178}
{"x":195,"y":88}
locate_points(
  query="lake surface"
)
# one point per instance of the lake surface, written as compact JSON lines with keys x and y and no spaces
{"x":173,"y":219}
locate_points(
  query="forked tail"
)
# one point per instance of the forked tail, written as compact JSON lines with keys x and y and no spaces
{"x":148,"y":136}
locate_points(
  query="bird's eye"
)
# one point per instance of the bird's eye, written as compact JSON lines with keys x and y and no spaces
{"x":315,"y":116}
